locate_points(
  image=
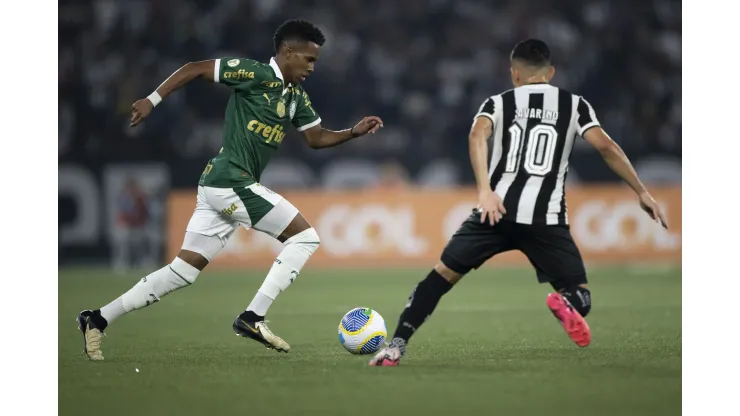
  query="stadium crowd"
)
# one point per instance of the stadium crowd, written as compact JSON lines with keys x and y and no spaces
{"x":424,"y":66}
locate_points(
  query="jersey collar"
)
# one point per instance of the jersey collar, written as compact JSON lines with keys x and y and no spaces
{"x":537,"y":86}
{"x":278,"y":72}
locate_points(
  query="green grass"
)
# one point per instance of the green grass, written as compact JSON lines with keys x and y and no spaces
{"x":491,"y":347}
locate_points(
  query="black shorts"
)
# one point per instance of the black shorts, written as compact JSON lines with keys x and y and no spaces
{"x":550,"y":249}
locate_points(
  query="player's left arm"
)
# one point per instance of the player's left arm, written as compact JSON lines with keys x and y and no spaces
{"x":590,"y":129}
{"x":318,"y":137}
{"x":308,"y":122}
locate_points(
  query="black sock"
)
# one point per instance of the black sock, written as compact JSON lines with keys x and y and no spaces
{"x":98,"y":321}
{"x":580,"y":298}
{"x":421,"y":304}
{"x":249,"y":316}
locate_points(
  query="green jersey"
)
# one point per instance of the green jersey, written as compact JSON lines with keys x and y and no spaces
{"x":258,"y":115}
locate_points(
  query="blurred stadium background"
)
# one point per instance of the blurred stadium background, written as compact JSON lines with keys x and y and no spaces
{"x":424,"y":66}
{"x":389,"y":200}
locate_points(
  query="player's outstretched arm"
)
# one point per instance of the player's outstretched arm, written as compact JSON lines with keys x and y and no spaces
{"x":619,"y":163}
{"x":188,"y":72}
{"x":489,"y":204}
{"x":318,"y":137}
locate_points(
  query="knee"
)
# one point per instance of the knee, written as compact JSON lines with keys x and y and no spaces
{"x":193,"y":258}
{"x":307,"y":239}
{"x":449,"y":274}
{"x":198,"y":249}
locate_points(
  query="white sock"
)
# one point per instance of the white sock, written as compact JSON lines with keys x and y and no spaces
{"x":113,"y":310}
{"x":260,"y":304}
{"x":296,"y":252}
{"x":151,"y":288}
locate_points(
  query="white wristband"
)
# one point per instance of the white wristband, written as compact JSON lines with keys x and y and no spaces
{"x":155,"y":98}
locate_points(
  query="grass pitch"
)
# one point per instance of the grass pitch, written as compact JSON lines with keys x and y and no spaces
{"x":491,"y":347}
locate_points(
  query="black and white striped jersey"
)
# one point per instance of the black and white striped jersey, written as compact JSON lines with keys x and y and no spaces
{"x":534,"y":127}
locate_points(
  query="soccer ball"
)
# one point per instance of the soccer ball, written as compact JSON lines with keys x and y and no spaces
{"x":362,"y":331}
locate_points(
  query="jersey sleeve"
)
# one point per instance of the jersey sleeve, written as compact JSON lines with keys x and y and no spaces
{"x":237,"y":73}
{"x":305,"y":116}
{"x":586,"y":116}
{"x":489,"y":109}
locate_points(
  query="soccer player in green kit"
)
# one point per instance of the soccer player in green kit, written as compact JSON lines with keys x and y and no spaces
{"x":266,"y":99}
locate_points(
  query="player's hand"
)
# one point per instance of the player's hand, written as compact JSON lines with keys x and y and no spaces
{"x":140,"y":110}
{"x":367,"y":125}
{"x":490,"y":205}
{"x":648,"y":204}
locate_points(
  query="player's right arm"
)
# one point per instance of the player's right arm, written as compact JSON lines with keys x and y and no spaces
{"x":188,"y":72}
{"x":489,"y":203}
{"x":590,"y":129}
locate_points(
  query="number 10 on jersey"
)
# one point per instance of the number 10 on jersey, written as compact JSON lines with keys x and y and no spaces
{"x":539,"y":145}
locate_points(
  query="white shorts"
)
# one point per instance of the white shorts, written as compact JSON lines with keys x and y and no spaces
{"x":220,"y":211}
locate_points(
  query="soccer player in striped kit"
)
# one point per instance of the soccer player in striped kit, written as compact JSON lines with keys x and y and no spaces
{"x":522,"y":196}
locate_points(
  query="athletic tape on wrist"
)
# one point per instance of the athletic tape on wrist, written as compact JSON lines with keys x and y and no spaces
{"x":155,"y":98}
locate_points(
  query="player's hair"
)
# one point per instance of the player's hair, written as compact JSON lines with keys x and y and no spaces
{"x":533,"y":52}
{"x":300,"y":30}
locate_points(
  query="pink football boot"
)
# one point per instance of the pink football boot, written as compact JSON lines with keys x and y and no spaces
{"x":387,"y":357}
{"x":573,"y":323}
